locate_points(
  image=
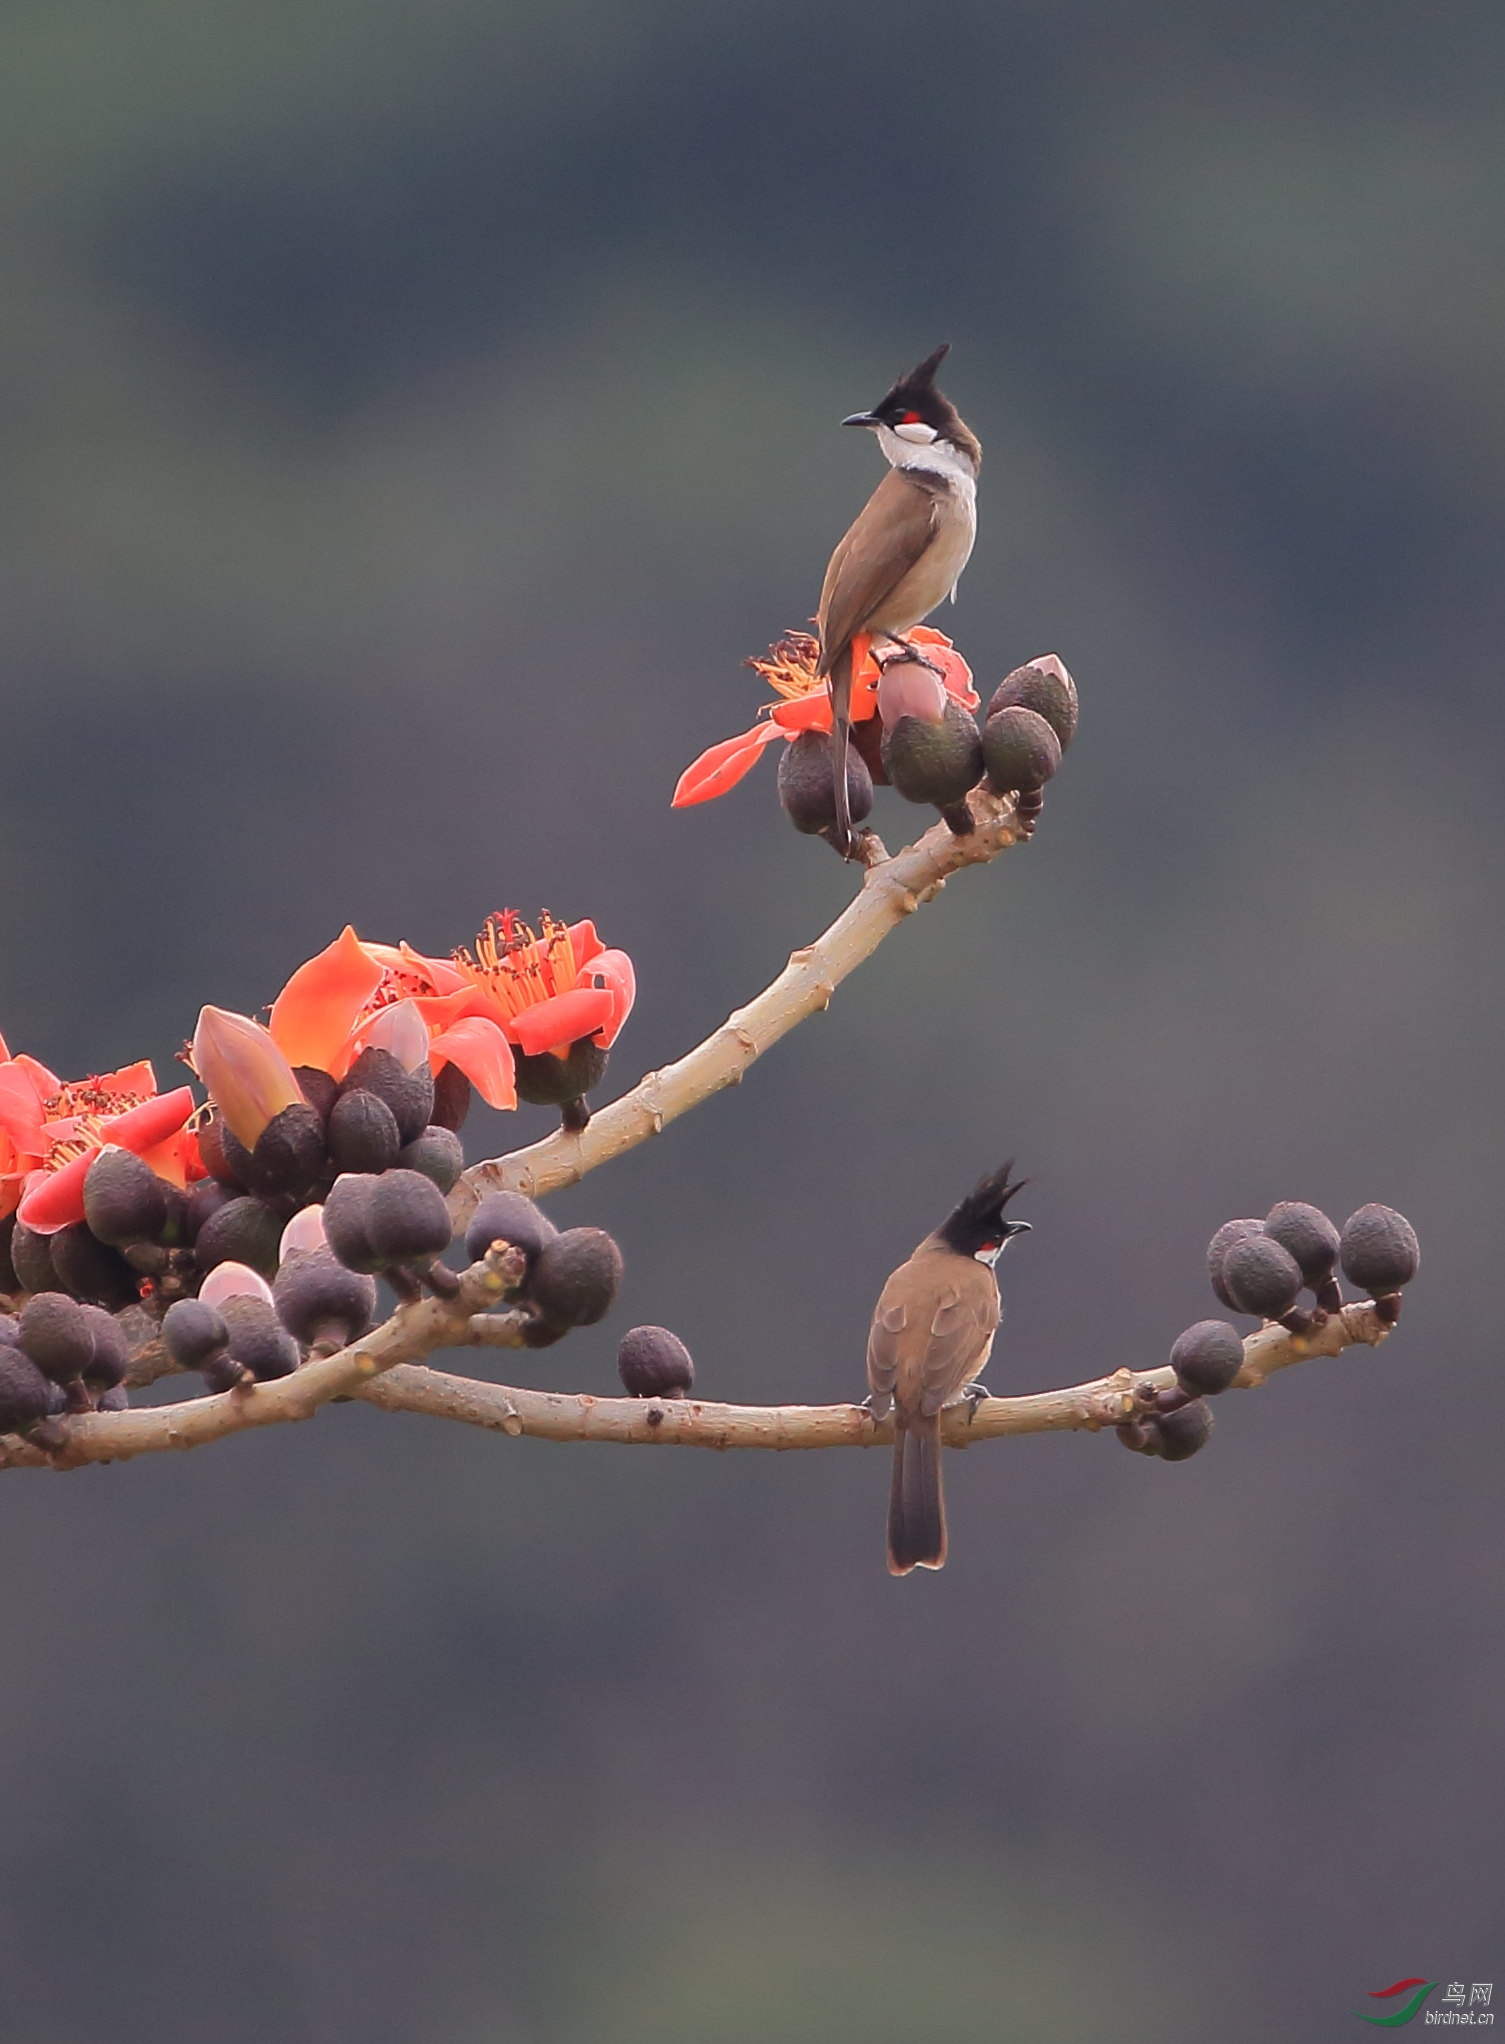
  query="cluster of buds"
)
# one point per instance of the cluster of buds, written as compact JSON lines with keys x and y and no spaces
{"x":1030,"y":722}
{"x":571,"y":1276}
{"x":58,"y":1356}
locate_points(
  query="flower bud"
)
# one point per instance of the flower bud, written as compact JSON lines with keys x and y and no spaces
{"x":244,"y":1230}
{"x":345,"y":1221}
{"x":439,"y":1154}
{"x":1020,"y":749}
{"x":1261,"y":1277}
{"x":401,"y":1030}
{"x":25,"y":1397}
{"x":248,"y":1078}
{"x":508,"y":1217}
{"x":124,"y":1199}
{"x":452,"y":1097}
{"x":1180,"y":1434}
{"x":1207,"y":1357}
{"x":807,"y":783}
{"x":363,"y":1132}
{"x":1380,"y":1251}
{"x":212,"y":1135}
{"x":1218,"y":1248}
{"x":407,"y":1220}
{"x":57,"y":1337}
{"x":114,"y":1399}
{"x":258,"y":1340}
{"x":289,"y":1155}
{"x":205,"y":1197}
{"x":10,"y":1330}
{"x":194,"y":1333}
{"x":1309,"y":1236}
{"x":575,"y":1277}
{"x":90,"y":1269}
{"x":111,"y":1351}
{"x":409,"y":1094}
{"x":9,"y":1282}
{"x":234,"y":1281}
{"x":1045,"y":687}
{"x":320,"y":1301}
{"x":319,"y":1088}
{"x":544,"y":1080}
{"x":934,"y":762}
{"x":303,"y":1232}
{"x":653,"y":1363}
{"x":31,"y":1256}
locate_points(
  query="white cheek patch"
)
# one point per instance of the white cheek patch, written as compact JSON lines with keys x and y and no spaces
{"x":918,"y":432}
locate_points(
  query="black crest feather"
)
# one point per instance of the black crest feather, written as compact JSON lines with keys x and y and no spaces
{"x":978,"y":1217}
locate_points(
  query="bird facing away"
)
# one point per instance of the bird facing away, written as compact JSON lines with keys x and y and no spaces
{"x":932,"y":1329}
{"x":906,"y":549}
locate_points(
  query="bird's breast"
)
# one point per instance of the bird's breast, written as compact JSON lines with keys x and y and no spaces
{"x":934,"y":575}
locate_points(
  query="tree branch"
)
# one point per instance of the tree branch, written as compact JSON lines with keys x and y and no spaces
{"x":891,"y":890}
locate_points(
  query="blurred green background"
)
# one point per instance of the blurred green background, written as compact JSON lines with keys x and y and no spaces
{"x":412,"y":416}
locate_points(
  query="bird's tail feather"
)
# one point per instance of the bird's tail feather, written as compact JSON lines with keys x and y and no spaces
{"x":841,"y":729}
{"x":916,"y":1506}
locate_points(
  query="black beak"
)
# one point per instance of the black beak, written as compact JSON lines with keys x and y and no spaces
{"x":862,"y":419}
{"x":1017,"y":1228}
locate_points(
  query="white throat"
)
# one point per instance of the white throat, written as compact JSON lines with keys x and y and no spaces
{"x":933,"y":457}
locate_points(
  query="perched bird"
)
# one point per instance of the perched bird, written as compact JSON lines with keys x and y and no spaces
{"x":906,"y":550}
{"x":932,"y":1329}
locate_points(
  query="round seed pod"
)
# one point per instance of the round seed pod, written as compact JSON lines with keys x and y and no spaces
{"x":346,"y":1214}
{"x":807,"y":785}
{"x":934,"y":762}
{"x":194,"y":1334}
{"x":1309,"y":1236}
{"x":115,"y":1398}
{"x":57,"y":1336}
{"x":452,"y":1097}
{"x":244,"y":1230}
{"x":318,"y":1299}
{"x":410,"y":1095}
{"x":363,"y":1132}
{"x":653,"y":1363}
{"x":544,"y":1080}
{"x":214,"y":1135}
{"x":124,"y":1199}
{"x":1261,"y":1277}
{"x":575,"y":1278}
{"x":1207,"y":1357}
{"x":289,"y":1154}
{"x":406,"y":1218}
{"x":205,"y":1197}
{"x":1380,"y":1251}
{"x":1183,"y":1432}
{"x":318,"y":1088}
{"x":1020,"y":749}
{"x":31,"y":1257}
{"x":112,"y":1352}
{"x":508,"y":1217}
{"x":1044,"y":687}
{"x":25,"y":1395}
{"x":1218,"y":1248}
{"x":438,"y":1154}
{"x":258,"y":1340}
{"x":90,"y":1269}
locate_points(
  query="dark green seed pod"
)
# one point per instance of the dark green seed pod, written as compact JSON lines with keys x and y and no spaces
{"x":57,"y":1336}
{"x":508,"y":1217}
{"x":31,"y":1255}
{"x":452,"y":1097}
{"x":346,"y":1215}
{"x":112,"y":1352}
{"x":289,"y":1155}
{"x":1182,"y":1433}
{"x":1044,"y":687}
{"x":318,"y":1299}
{"x":410,"y":1095}
{"x":438,"y":1154}
{"x":318,"y":1088}
{"x":407,"y":1220}
{"x":244,"y":1230}
{"x":25,"y":1395}
{"x":544,"y":1080}
{"x":1380,"y":1251}
{"x":363,"y":1132}
{"x":1218,"y":1248}
{"x":934,"y":762}
{"x":575,"y":1278}
{"x":1207,"y":1357}
{"x":214,"y":1134}
{"x":653,"y":1363}
{"x":194,"y":1334}
{"x":1309,"y":1236}
{"x":205,"y":1197}
{"x":1020,"y":749}
{"x":91,"y":1270}
{"x":807,"y":785}
{"x":258,"y":1340}
{"x":1261,"y":1277}
{"x":124,"y":1200}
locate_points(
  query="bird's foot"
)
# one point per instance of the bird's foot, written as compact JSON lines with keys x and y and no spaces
{"x":975,"y":1395}
{"x":907,"y":652}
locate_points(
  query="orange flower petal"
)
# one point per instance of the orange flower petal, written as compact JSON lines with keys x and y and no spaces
{"x":721,"y":767}
{"x":137,"y":1081}
{"x":55,"y":1199}
{"x":314,"y":1014}
{"x":47,"y":1083}
{"x":483,"y":1054}
{"x":805,"y":713}
{"x":563,"y":1019}
{"x":20,"y":1107}
{"x":583,"y":942}
{"x":614,"y":970}
{"x":142,"y":1128}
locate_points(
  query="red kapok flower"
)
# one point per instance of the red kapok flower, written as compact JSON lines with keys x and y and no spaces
{"x":805,"y":705}
{"x":50,"y":1131}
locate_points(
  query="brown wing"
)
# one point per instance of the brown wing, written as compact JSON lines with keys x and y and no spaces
{"x":961,"y":1333}
{"x":931,"y":1332}
{"x":888,"y":536}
